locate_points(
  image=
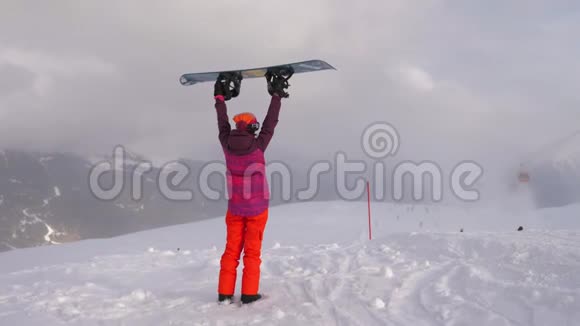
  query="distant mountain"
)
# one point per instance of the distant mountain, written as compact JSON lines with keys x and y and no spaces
{"x":46,"y":199}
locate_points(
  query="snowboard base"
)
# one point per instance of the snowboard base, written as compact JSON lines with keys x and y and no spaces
{"x":297,"y":68}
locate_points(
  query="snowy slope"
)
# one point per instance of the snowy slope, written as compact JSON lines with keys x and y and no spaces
{"x":319,"y":269}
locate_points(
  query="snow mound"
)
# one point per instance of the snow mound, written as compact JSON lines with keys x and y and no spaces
{"x":405,"y":278}
{"x":483,"y":279}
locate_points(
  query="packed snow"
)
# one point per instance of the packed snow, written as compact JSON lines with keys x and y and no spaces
{"x":319,"y":269}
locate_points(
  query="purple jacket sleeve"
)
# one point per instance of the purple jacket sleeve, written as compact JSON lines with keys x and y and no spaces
{"x":223,"y":122}
{"x":269,"y":123}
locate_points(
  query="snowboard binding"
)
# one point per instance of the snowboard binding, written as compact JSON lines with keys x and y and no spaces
{"x":277,"y":78}
{"x":229,"y":84}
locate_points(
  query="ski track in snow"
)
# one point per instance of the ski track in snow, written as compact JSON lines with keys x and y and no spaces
{"x":402,"y":279}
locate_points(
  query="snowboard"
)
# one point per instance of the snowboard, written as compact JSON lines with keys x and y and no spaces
{"x":297,"y":67}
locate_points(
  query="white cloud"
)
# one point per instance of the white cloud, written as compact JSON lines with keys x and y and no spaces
{"x":415,"y":78}
{"x":457,"y":70}
{"x":48,"y":67}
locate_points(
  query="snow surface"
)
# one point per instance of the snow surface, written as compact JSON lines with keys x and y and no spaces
{"x":319,"y":269}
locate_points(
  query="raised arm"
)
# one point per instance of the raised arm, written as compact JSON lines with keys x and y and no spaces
{"x":222,"y":120}
{"x":269,"y":123}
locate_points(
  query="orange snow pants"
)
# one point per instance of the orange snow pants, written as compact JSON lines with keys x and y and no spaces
{"x":243,"y":233}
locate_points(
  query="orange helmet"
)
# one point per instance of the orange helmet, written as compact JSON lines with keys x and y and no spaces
{"x":248,"y":120}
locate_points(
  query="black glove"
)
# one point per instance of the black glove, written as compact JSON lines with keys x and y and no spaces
{"x":277,"y":84}
{"x":228,"y":85}
{"x":218,"y":88}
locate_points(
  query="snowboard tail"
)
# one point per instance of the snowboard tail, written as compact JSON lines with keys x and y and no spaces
{"x":298,"y":67}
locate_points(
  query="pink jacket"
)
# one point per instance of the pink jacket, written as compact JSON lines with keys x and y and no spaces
{"x":245,"y":162}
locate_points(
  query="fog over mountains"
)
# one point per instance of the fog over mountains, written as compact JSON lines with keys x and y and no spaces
{"x":45,"y":198}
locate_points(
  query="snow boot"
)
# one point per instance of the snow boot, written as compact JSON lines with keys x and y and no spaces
{"x":250,"y":298}
{"x":225,"y":299}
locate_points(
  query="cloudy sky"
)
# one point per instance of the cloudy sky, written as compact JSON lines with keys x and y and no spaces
{"x":483,"y":80}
